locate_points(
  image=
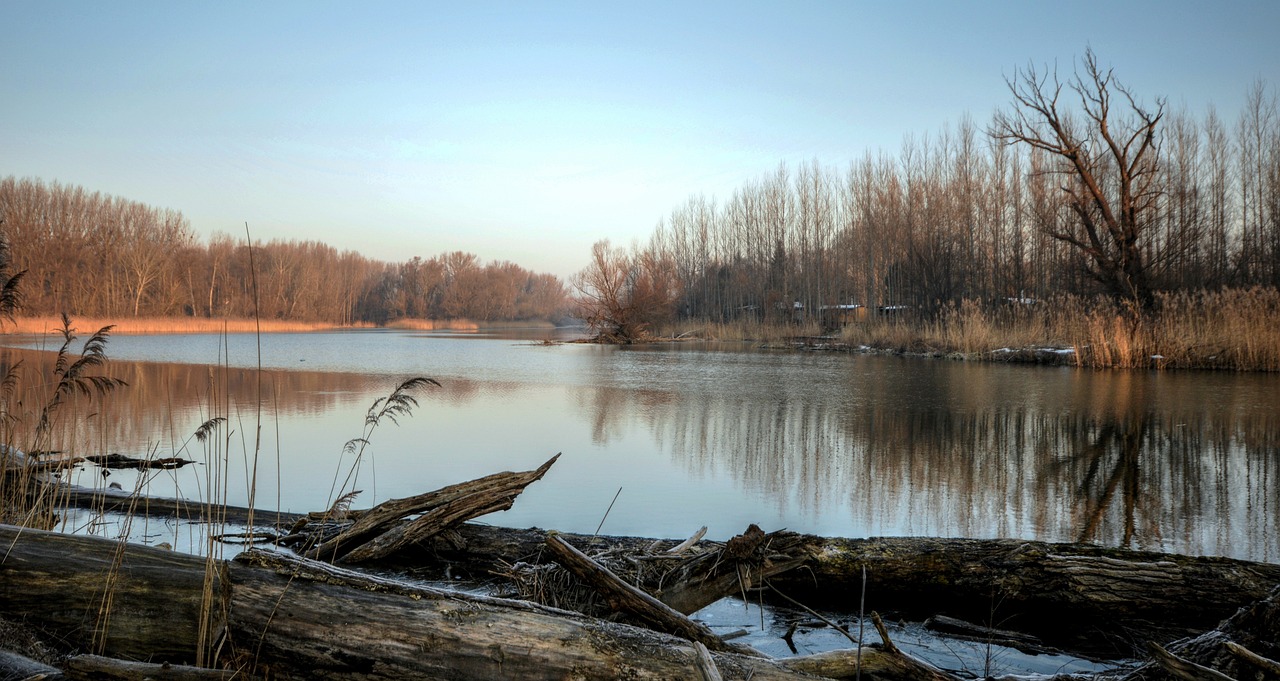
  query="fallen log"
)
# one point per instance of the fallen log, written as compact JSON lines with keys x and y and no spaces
{"x":1244,"y":646}
{"x":1086,"y":599}
{"x":968,"y":631}
{"x":14,"y":666}
{"x":121,"y":461}
{"x":289,"y":618}
{"x":683,"y":579}
{"x":380,"y":531}
{"x":744,"y":563}
{"x":99,"y":668}
{"x":626,"y":598}
{"x":121,"y":501}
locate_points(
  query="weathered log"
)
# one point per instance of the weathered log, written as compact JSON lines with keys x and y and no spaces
{"x":744,"y":563}
{"x":302,"y":619}
{"x":332,"y":623}
{"x":1081,"y":598}
{"x":120,"y":461}
{"x":707,"y":670}
{"x":379,"y":531}
{"x":120,"y":501}
{"x":957,"y":628}
{"x":1086,"y":599}
{"x":128,"y":601}
{"x":685,"y":582}
{"x":626,"y":598}
{"x":99,"y":668}
{"x":1254,"y":628}
{"x":1263,"y":663}
{"x":14,"y":667}
{"x":1185,"y":670}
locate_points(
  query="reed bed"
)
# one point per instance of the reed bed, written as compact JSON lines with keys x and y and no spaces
{"x":740,"y":330}
{"x":1229,"y":329}
{"x":169,"y":325}
{"x":409,"y":324}
{"x":45,"y":405}
{"x":1232,"y":329}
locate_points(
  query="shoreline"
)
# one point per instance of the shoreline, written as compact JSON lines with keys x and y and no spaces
{"x":136,"y":326}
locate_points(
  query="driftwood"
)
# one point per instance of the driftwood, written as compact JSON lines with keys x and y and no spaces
{"x":1076,"y":597}
{"x":883,"y":661}
{"x":15,"y":666}
{"x":626,"y":598}
{"x":957,"y":628}
{"x":108,"y":462}
{"x":381,"y":531}
{"x":1081,"y":598}
{"x":744,"y":563}
{"x":290,"y":618}
{"x":99,"y":668}
{"x":1244,"y":646}
{"x":684,"y":579}
{"x":1184,"y":669}
{"x":121,"y":501}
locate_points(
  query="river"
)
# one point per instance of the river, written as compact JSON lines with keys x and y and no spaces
{"x":659,"y":440}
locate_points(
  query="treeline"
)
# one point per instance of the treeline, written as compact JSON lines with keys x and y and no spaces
{"x":90,"y":254}
{"x":962,"y":216}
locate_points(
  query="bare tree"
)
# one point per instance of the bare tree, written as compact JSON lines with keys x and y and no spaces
{"x":1106,"y":161}
{"x":621,"y":295}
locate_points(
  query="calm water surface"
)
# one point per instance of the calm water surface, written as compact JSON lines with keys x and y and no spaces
{"x":723,"y":436}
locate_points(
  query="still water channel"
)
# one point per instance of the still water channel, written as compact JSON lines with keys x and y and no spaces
{"x":686,"y":435}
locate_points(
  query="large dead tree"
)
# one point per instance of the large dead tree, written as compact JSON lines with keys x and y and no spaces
{"x":1105,"y":159}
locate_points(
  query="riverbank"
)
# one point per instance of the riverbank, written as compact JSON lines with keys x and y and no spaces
{"x":1234,"y":330}
{"x":137,"y":326}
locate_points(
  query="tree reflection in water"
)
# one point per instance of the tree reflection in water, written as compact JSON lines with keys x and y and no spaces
{"x":1157,"y":461}
{"x":847,"y":445}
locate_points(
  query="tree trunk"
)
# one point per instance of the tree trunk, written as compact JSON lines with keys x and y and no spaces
{"x":1245,"y":646}
{"x":382,"y":530}
{"x":301,"y":619}
{"x":1082,"y":598}
{"x":1079,"y":597}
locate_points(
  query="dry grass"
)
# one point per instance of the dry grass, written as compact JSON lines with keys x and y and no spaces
{"x":742,"y":330}
{"x":1232,"y":329}
{"x":463,"y":325}
{"x":168,"y":325}
{"x":1235,"y":329}
{"x":182,"y":325}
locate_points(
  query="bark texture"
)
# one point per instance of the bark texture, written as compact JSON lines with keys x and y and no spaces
{"x":1077,"y":597}
{"x":289,"y":618}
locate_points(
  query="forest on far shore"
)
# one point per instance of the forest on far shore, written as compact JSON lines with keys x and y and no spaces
{"x":94,"y":255}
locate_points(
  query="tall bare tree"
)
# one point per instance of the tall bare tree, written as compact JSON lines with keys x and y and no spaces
{"x":1106,"y":161}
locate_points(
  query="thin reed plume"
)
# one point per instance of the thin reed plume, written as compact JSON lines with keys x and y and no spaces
{"x":399,"y":403}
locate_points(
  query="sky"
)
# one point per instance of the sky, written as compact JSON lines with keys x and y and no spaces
{"x":527,"y":131}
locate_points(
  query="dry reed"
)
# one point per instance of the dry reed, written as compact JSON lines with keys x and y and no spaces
{"x":171,"y":325}
{"x":411,"y":324}
{"x":135,"y":326}
{"x":1232,"y":329}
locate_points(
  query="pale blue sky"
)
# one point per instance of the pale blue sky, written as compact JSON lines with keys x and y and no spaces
{"x":526,"y":131}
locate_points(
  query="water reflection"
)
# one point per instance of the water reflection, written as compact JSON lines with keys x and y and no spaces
{"x":831,"y":444}
{"x":1182,"y":462}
